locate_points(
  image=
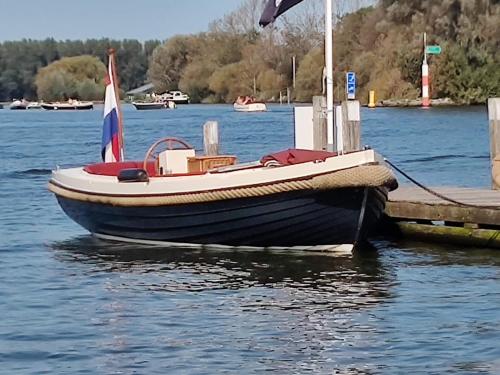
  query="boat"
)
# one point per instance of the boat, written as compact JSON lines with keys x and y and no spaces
{"x":18,"y":104}
{"x":292,"y":199}
{"x":287,"y":199}
{"x":178,"y":97}
{"x":249,"y":104}
{"x":69,"y":105}
{"x":148,"y":105}
{"x":34,"y":105}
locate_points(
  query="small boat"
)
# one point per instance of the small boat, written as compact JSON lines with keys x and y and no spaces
{"x":249,"y":104}
{"x":34,"y":105}
{"x":19,"y":104}
{"x":69,"y":105}
{"x":178,"y":97}
{"x":148,"y":105}
{"x":292,"y":198}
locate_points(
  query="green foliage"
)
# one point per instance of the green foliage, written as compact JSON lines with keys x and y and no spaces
{"x":309,"y":75}
{"x":21,"y":60}
{"x":79,"y":77}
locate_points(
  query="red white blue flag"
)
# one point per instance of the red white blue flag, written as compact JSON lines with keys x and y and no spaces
{"x":112,"y":150}
{"x":274,"y":8}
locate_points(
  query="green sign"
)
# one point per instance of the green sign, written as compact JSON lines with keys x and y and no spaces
{"x":433,"y":50}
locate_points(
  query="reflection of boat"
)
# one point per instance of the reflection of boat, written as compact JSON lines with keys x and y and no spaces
{"x":178,"y":97}
{"x":293,"y":198}
{"x":19,"y":104}
{"x":34,"y":105}
{"x":69,"y":105}
{"x":345,"y":276}
{"x":249,"y":104}
{"x":148,"y":105}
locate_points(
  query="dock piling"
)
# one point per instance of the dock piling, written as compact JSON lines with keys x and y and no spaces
{"x":351,"y":113}
{"x":494,"y":117}
{"x":211,"y":138}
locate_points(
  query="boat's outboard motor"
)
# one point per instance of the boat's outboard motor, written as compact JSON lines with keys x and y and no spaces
{"x":133,"y":175}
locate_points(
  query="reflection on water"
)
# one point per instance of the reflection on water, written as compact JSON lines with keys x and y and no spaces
{"x":330,"y":281}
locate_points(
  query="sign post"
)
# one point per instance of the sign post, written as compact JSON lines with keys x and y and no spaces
{"x":428,"y":50}
{"x":350,"y":87}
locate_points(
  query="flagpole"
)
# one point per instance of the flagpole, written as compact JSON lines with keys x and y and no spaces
{"x":112,"y":57}
{"x":329,"y":72}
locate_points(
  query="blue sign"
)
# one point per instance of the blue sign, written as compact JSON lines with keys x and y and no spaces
{"x":351,"y":85}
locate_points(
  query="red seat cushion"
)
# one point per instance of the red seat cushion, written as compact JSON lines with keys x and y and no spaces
{"x":113,"y":169}
{"x":297,"y":156}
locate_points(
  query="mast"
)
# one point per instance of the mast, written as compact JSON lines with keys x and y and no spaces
{"x":112,"y":61}
{"x":329,"y":72}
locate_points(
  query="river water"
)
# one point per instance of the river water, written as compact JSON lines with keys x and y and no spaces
{"x":72,"y":304}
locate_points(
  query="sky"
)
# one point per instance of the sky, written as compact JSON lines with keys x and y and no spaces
{"x":117,"y":19}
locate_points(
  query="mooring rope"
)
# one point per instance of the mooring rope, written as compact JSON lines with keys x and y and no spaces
{"x":439,"y":195}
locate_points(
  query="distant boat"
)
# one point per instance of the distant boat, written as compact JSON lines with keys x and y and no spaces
{"x":178,"y":97}
{"x":34,"y":105}
{"x":69,"y":105}
{"x":163,"y":104}
{"x":19,"y":104}
{"x":140,"y":106}
{"x":248,"y":104}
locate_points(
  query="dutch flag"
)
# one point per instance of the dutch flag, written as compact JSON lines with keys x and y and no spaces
{"x":112,"y":150}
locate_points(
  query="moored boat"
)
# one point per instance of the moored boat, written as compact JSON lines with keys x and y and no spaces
{"x":248,"y":104}
{"x":293,"y":198}
{"x":69,"y":105}
{"x":148,"y":105}
{"x":34,"y":105}
{"x":178,"y":97}
{"x":18,"y":104}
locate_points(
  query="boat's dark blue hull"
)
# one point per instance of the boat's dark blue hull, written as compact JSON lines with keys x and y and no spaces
{"x":301,"y":218}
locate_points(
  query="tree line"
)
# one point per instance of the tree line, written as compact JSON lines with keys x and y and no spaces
{"x":380,"y":41}
{"x":21,"y":61}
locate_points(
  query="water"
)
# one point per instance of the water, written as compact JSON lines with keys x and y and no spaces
{"x":71,"y":304}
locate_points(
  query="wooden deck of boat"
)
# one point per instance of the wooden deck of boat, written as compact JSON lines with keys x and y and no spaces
{"x":418,"y":213}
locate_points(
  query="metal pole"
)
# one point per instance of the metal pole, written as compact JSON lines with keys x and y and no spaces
{"x":293,"y":70}
{"x":329,"y":73}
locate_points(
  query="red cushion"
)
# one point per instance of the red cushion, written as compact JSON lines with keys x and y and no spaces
{"x":297,"y":156}
{"x":113,"y":169}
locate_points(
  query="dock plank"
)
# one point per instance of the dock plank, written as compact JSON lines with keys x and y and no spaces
{"x":413,"y":203}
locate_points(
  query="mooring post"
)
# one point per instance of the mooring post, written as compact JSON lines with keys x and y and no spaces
{"x":494,"y":117}
{"x":351,"y":113}
{"x":319,"y":123}
{"x":211,"y":138}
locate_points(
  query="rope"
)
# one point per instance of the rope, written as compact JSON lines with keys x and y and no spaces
{"x":439,"y":195}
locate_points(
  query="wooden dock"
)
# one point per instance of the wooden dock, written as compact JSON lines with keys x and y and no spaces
{"x":419,"y":214}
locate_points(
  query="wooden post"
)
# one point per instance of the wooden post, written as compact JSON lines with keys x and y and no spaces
{"x":494,"y":117}
{"x":352,"y":125}
{"x":319,"y":123}
{"x":211,"y":138}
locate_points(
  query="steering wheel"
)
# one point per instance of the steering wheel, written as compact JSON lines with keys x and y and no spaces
{"x":171,"y":144}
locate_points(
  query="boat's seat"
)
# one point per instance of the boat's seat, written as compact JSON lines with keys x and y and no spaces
{"x":113,"y":169}
{"x":296,"y":156}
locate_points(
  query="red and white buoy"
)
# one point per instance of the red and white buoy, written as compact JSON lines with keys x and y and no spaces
{"x":426,"y":102}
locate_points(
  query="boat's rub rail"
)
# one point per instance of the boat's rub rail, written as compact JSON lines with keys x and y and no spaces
{"x":360,"y":176}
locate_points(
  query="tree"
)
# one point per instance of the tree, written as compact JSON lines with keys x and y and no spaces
{"x":169,"y":61}
{"x":78,"y":77}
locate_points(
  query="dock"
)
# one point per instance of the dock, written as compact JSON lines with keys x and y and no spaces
{"x":415,"y":213}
